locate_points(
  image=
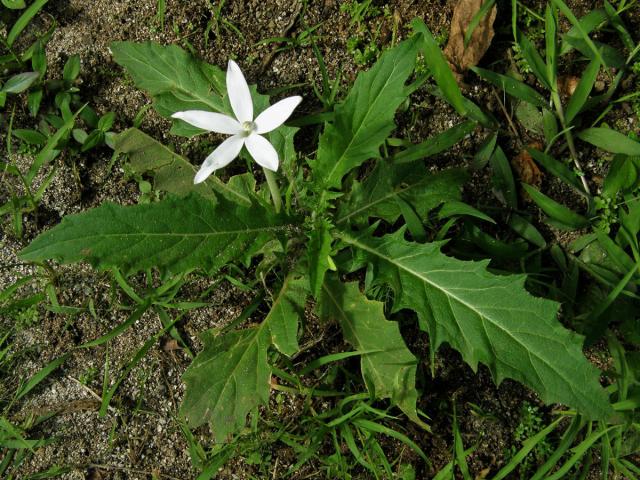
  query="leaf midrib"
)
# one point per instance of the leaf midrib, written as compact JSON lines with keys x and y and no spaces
{"x":364,"y":120}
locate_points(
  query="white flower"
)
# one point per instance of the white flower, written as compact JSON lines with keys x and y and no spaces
{"x":244,"y":129}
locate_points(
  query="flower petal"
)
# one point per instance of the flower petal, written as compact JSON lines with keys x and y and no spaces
{"x":262,"y":151}
{"x":213,"y":122}
{"x":220,"y":157}
{"x":239,"y":94}
{"x":276,"y":114}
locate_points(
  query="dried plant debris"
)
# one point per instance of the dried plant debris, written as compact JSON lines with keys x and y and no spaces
{"x":467,"y":17}
{"x":526,"y":168}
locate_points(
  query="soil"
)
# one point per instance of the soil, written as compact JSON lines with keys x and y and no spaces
{"x":141,"y":436}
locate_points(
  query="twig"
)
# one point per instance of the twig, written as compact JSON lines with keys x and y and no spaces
{"x":507,"y":116}
{"x":91,"y":392}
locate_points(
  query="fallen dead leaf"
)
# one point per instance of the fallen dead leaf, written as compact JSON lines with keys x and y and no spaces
{"x":567,"y":84}
{"x":525,"y":167}
{"x":461,"y":58}
{"x":171,"y":345}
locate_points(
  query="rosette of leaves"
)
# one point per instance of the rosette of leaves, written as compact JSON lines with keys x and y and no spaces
{"x":334,"y":214}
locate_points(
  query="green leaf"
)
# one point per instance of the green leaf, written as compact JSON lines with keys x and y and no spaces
{"x":228,"y":379}
{"x":610,"y":140}
{"x":488,"y":318}
{"x":14,"y":4}
{"x":71,"y":69}
{"x":551,"y":44}
{"x":318,"y":251}
{"x":580,"y":30}
{"x":435,"y":144}
{"x":388,"y":367}
{"x":32,"y":137}
{"x":454,"y":208}
{"x":557,"y":169}
{"x":366,"y":118}
{"x":174,"y":79}
{"x":440,"y":67}
{"x":24,"y":20}
{"x":533,"y":58}
{"x":20,"y":82}
{"x":174,"y":235}
{"x":513,"y":87}
{"x":530,"y":118}
{"x":286,"y":311}
{"x":502,"y":179}
{"x":591,"y":21}
{"x":550,"y":126}
{"x":582,"y":91}
{"x":566,"y":217}
{"x":415,"y":184}
{"x":171,"y":172}
{"x":231,"y":376}
{"x":622,"y":176}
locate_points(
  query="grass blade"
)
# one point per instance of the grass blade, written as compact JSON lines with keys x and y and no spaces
{"x":528,"y":445}
{"x":480,"y":14}
{"x":566,"y":217}
{"x":439,"y":66}
{"x":24,"y":20}
{"x":580,"y":450}
{"x":566,"y":441}
{"x":610,"y":140}
{"x":533,"y":58}
{"x":558,"y":169}
{"x":435,"y":144}
{"x":513,"y":87}
{"x":574,"y":21}
{"x":581,"y":94}
{"x":40,"y":376}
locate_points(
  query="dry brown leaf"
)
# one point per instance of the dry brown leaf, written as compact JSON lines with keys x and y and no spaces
{"x":525,"y":167}
{"x":567,"y":84}
{"x":461,"y":58}
{"x":171,"y":345}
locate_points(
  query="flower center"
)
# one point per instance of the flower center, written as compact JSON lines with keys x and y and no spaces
{"x":248,"y":128}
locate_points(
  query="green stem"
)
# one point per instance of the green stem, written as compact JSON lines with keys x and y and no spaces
{"x":273,"y":187}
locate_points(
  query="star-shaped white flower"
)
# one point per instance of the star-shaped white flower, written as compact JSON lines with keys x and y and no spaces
{"x":244,"y":129}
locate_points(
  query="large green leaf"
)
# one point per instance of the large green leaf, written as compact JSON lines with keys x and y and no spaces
{"x":227,"y":380}
{"x":174,"y":79}
{"x":176,"y":234}
{"x":177,"y":82}
{"x":488,"y":318}
{"x":286,"y":310}
{"x":231,"y":376}
{"x":171,"y":172}
{"x":377,"y":196}
{"x":364,"y":120}
{"x":318,"y":252}
{"x":388,"y":367}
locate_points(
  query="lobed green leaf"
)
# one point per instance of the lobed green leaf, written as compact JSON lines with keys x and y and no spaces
{"x":388,"y":367}
{"x":174,"y":235}
{"x":231,"y":376}
{"x":366,"y":117}
{"x":488,"y":318}
{"x":174,"y":79}
{"x":377,"y":195}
